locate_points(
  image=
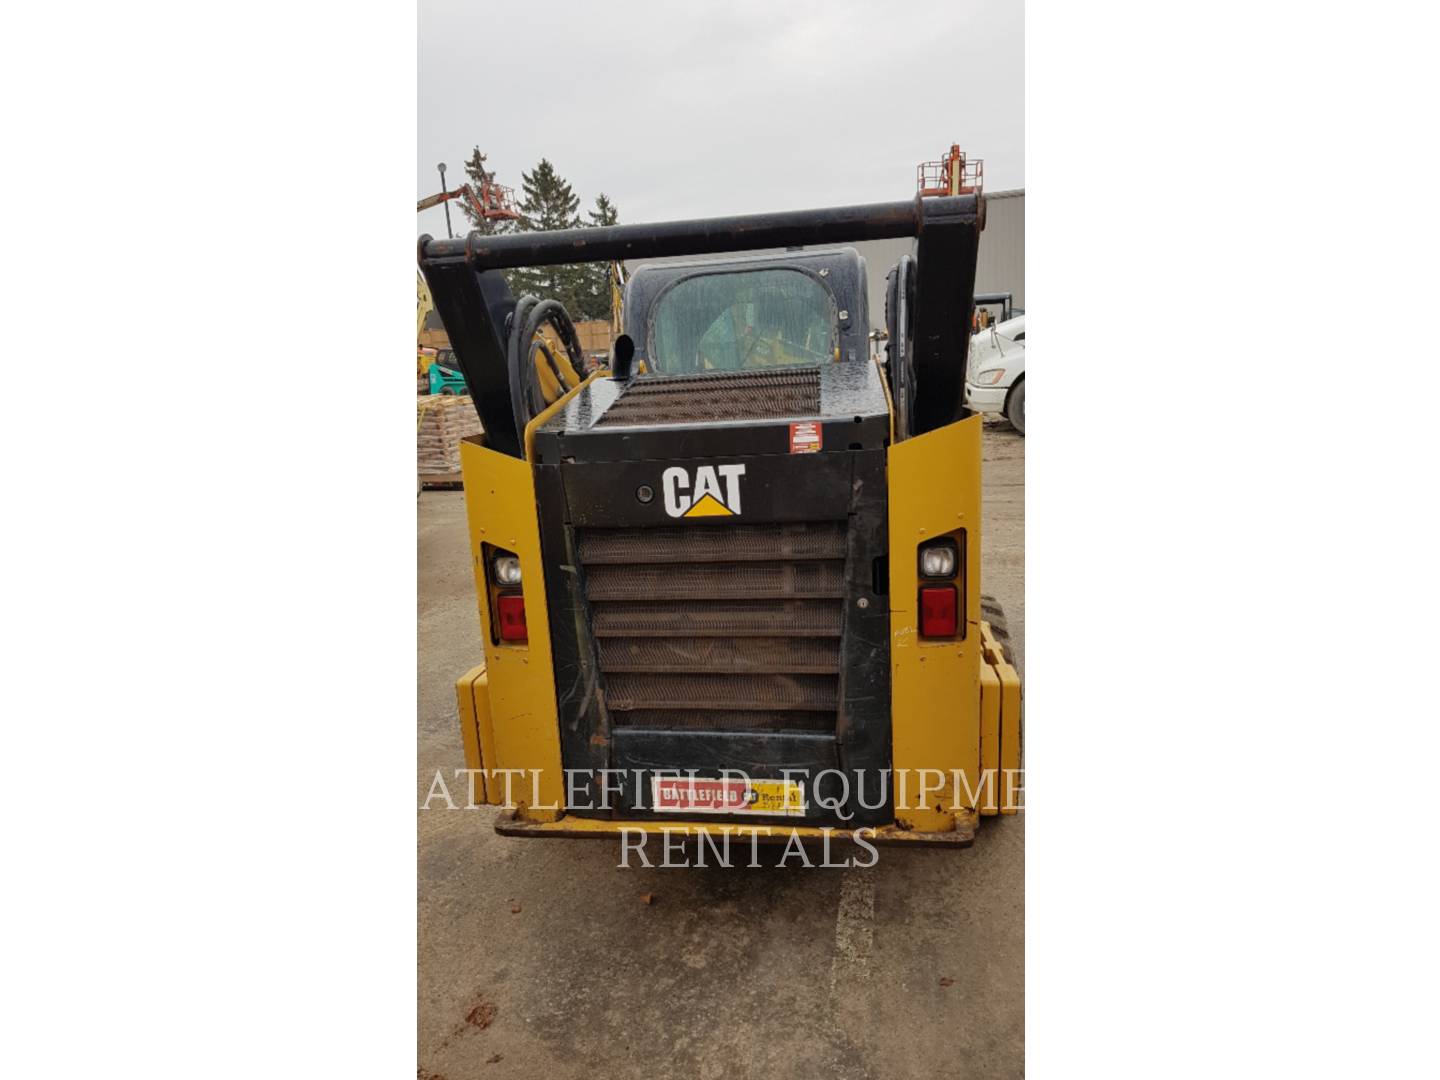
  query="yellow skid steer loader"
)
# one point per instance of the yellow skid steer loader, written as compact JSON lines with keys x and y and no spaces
{"x":731,"y":586}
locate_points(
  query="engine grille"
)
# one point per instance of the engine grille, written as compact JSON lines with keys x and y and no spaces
{"x":691,"y":399}
{"x":718,"y":627}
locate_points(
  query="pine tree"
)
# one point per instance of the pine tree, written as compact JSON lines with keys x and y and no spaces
{"x":595,"y":303}
{"x":604,"y":212}
{"x":549,"y":203}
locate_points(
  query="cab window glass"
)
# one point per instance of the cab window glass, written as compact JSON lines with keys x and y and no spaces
{"x":741,"y":321}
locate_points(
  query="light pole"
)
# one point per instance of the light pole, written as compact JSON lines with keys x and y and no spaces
{"x":448,"y":230}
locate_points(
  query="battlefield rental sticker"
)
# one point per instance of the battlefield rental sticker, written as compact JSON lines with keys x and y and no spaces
{"x":698,"y":795}
{"x":805,"y":437}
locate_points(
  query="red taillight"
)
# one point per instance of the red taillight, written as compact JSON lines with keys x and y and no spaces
{"x":938,"y":611}
{"x":510,"y":617}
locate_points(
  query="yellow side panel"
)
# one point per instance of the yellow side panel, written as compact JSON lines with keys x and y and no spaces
{"x":989,"y":738}
{"x":472,"y":696}
{"x":935,"y":685}
{"x":1010,"y":793}
{"x":485,"y":727}
{"x":469,"y":723}
{"x":525,"y":730}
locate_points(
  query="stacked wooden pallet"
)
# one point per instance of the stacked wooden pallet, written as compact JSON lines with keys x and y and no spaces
{"x":443,"y":420}
{"x":594,"y":335}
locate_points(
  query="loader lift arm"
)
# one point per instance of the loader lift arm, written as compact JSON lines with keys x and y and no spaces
{"x":475,"y":302}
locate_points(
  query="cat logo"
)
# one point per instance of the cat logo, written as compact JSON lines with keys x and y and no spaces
{"x":703,"y":498}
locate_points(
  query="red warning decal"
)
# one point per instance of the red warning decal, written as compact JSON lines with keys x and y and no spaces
{"x":805,"y":437}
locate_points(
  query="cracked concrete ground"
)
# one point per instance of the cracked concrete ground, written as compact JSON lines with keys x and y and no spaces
{"x":912,"y":968}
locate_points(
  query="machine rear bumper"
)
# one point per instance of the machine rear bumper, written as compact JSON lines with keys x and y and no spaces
{"x":576,"y":828}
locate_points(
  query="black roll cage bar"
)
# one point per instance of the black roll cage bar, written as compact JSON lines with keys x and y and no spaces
{"x":475,"y":303}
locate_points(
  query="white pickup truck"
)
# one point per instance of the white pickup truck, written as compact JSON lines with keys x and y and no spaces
{"x":995,"y":373}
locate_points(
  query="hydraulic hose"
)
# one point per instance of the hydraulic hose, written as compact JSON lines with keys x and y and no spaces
{"x":527,"y":395}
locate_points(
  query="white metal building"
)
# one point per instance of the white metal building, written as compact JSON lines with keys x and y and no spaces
{"x":1001,"y":266}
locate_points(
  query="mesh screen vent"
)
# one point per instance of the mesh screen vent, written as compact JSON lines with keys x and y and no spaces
{"x":691,"y":399}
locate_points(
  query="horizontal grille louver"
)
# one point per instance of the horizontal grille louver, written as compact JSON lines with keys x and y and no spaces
{"x":718,"y":627}
{"x":720,"y":654}
{"x":729,"y":720}
{"x":758,"y":543}
{"x":721,"y":692}
{"x":758,"y":581}
{"x":756,"y":618}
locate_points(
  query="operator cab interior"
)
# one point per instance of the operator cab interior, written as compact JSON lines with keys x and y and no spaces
{"x":748,"y":314}
{"x":741,"y":320}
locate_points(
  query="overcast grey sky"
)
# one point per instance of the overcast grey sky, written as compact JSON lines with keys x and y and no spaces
{"x":698,"y":108}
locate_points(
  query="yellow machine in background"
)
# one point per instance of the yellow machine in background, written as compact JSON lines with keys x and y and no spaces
{"x":617,"y":298}
{"x":423,"y":304}
{"x":426,"y":345}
